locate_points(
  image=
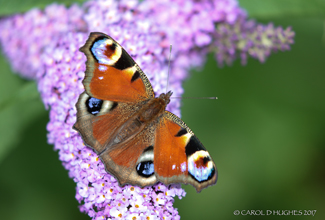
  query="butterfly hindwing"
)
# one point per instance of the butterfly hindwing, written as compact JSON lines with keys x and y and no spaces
{"x":102,"y":124}
{"x":179,"y":156}
{"x":111,"y":74}
{"x":131,"y":162}
{"x":97,"y":120}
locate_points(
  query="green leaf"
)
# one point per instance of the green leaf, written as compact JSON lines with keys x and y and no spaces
{"x":283,"y":8}
{"x":20,"y":104}
{"x":18,"y":6}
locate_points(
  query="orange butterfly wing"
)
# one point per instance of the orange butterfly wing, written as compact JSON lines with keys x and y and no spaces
{"x":123,"y":161}
{"x":179,"y":156}
{"x":99,"y":129}
{"x":111,"y":74}
{"x":97,"y":125}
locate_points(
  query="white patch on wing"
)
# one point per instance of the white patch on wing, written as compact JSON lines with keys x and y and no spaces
{"x":201,"y":173}
{"x":102,"y":68}
{"x":146,"y":156}
{"x":183,"y":167}
{"x":99,"y":48}
{"x":106,"y":106}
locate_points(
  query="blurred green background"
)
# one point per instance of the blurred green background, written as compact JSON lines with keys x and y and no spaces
{"x":265,"y":131}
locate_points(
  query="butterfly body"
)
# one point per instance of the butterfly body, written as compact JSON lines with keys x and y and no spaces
{"x":150,"y":112}
{"x":119,"y":117}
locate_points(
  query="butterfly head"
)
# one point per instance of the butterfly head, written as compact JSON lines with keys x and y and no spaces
{"x":166,"y":97}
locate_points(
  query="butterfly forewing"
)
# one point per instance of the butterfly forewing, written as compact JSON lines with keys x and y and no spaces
{"x":111,"y":74}
{"x":180,"y":156}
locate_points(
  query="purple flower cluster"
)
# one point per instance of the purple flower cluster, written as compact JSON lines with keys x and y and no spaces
{"x":246,"y":38}
{"x":44,"y":45}
{"x":24,"y":36}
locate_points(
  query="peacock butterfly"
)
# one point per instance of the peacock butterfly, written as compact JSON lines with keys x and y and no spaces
{"x":119,"y":117}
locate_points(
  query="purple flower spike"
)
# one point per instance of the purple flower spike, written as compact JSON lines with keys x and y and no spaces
{"x":44,"y":45}
{"x":245,"y":38}
{"x":23,"y":37}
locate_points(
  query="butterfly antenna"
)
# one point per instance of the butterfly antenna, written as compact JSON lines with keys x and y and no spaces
{"x":194,"y":97}
{"x":170,"y":52}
